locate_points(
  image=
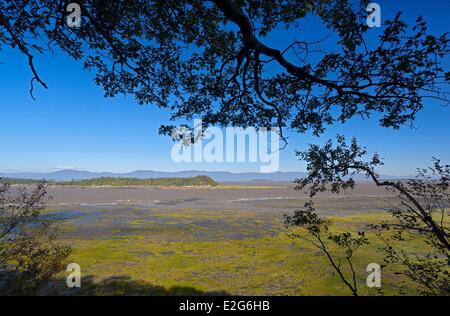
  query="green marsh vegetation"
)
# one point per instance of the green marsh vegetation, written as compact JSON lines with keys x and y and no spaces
{"x":241,"y":258}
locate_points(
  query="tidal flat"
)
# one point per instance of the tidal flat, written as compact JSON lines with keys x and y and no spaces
{"x":226,"y":240}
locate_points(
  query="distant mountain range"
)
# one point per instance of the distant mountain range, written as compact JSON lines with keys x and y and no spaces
{"x":219,"y":176}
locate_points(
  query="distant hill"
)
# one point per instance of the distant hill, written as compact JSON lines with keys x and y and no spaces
{"x":112,"y":181}
{"x":219,"y":176}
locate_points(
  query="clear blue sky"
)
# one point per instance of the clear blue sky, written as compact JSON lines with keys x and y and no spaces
{"x":71,"y":125}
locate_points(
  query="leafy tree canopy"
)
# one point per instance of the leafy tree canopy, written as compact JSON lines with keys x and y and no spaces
{"x":209,"y":59}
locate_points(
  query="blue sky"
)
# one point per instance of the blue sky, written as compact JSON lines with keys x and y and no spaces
{"x":71,"y":125}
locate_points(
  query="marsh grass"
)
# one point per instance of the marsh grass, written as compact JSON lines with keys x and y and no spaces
{"x":239,"y":253}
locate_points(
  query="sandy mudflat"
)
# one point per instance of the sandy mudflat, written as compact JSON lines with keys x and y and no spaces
{"x":252,"y":196}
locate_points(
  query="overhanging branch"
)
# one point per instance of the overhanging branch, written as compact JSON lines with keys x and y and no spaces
{"x":249,"y":39}
{"x":24,"y":50}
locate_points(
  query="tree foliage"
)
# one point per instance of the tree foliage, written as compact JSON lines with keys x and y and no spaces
{"x":318,"y":230}
{"x":209,"y":59}
{"x":423,"y":207}
{"x":29,"y":254}
{"x":117,"y":181}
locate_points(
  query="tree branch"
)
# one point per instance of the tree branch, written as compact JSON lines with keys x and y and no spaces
{"x":24,"y":50}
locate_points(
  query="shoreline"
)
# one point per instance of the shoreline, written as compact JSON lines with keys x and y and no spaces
{"x":163,"y":187}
